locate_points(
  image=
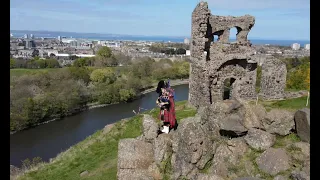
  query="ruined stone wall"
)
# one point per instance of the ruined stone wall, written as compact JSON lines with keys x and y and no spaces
{"x":213,"y":62}
{"x":273,"y":79}
{"x":199,"y":93}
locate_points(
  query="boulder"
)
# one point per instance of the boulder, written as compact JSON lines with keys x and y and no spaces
{"x":302,"y":124}
{"x":306,"y":167}
{"x":150,"y":127}
{"x":279,"y":122}
{"x":280,"y":177}
{"x":191,"y":144}
{"x":84,"y":173}
{"x":259,"y":139}
{"x":232,"y":126}
{"x":273,"y":161}
{"x":162,"y":148}
{"x":305,"y":148}
{"x":228,"y":153}
{"x":299,"y":175}
{"x":154,"y":171}
{"x":248,"y":178}
{"x":141,"y":174}
{"x":134,"y":159}
{"x":259,"y":111}
{"x":254,"y":115}
{"x":208,"y":177}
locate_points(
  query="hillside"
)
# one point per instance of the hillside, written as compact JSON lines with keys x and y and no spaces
{"x":96,"y":157}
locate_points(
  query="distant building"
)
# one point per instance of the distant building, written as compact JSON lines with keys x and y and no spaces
{"x":74,"y":43}
{"x":29,"y":44}
{"x":186,"y":41}
{"x":307,"y":46}
{"x":295,"y":46}
{"x":31,"y":36}
{"x":188,"y":53}
{"x":26,"y":36}
{"x":59,"y":38}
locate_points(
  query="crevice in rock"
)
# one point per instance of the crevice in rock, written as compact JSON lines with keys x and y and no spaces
{"x":231,"y":134}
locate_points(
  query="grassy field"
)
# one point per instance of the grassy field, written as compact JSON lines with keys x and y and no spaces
{"x":289,"y":104}
{"x":97,"y":154}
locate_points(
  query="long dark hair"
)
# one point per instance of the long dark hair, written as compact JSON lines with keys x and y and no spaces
{"x":161,"y":84}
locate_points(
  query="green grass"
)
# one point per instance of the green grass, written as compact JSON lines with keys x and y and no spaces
{"x":97,"y":154}
{"x":289,"y":104}
{"x":283,"y":141}
{"x":20,"y":72}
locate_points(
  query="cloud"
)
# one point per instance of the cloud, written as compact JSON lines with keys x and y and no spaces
{"x":258,"y":4}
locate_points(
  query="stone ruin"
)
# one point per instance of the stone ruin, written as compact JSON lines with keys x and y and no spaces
{"x":215,"y":62}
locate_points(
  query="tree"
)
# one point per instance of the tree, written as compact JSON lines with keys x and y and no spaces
{"x":105,"y":75}
{"x":181,"y":51}
{"x":12,"y":63}
{"x":127,"y":94}
{"x":104,"y":52}
{"x":81,"y":62}
{"x":52,"y":63}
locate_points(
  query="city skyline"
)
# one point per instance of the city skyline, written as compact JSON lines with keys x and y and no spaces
{"x":278,"y":20}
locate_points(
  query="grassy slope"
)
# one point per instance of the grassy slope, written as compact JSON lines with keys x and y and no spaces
{"x":98,"y":153}
{"x":289,"y":104}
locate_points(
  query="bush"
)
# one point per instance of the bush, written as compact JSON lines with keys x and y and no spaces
{"x":299,"y":78}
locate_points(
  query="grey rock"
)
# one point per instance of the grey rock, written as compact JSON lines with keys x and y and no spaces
{"x":259,"y":139}
{"x":302,"y":123}
{"x":84,"y":173}
{"x":208,"y":177}
{"x":232,"y":126}
{"x":191,"y":144}
{"x":162,"y":148}
{"x":273,"y":161}
{"x":134,"y":174}
{"x":154,"y":171}
{"x":305,"y":148}
{"x":134,"y":158}
{"x":150,"y":127}
{"x":279,"y":122}
{"x":280,"y":177}
{"x":248,"y":178}
{"x":228,"y":153}
{"x":299,"y":175}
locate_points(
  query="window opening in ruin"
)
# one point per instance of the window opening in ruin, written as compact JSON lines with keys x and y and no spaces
{"x":215,"y":38}
{"x":233,"y":35}
{"x":227,"y":88}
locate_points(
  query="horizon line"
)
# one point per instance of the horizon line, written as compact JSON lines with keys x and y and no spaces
{"x":176,"y":36}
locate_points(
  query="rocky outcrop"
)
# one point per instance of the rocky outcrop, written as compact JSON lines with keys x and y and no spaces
{"x":208,"y":177}
{"x":273,"y":161}
{"x":279,"y":122}
{"x":134,"y":159}
{"x":259,"y":139}
{"x":192,"y":147}
{"x":150,"y":127}
{"x":216,"y":144}
{"x":228,"y":153}
{"x":302,"y":124}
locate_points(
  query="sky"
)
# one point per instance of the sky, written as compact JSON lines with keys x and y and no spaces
{"x":275,"y":19}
